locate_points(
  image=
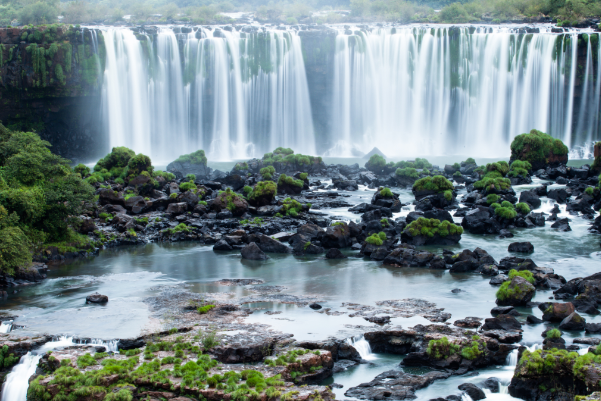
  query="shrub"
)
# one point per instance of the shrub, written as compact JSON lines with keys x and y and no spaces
{"x":303,"y":176}
{"x":382,"y":235}
{"x":291,"y":207}
{"x":267,"y":172}
{"x":119,"y":157}
{"x":205,"y":309}
{"x":506,"y":210}
{"x":386,"y":193}
{"x":457,"y":174}
{"x":167,"y":176}
{"x":138,"y":164}
{"x":437,"y":183}
{"x":85,"y":360}
{"x":489,"y":184}
{"x":523,"y":208}
{"x":442,"y":349}
{"x":82,"y":170}
{"x":173,"y":195}
{"x":197,"y":157}
{"x":376,"y":164}
{"x":554,"y":333}
{"x":504,"y":292}
{"x":536,"y":147}
{"x":285,"y":180}
{"x":431,"y":227}
{"x":448,"y":195}
{"x":469,"y":160}
{"x":492,"y":198}
{"x":472,"y":352}
{"x":191,"y":177}
{"x":374,"y":239}
{"x":187,"y":186}
{"x":519,"y":168}
{"x":407,"y":172}
{"x":422,"y":163}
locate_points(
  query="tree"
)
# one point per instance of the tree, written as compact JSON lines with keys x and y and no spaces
{"x":38,"y":13}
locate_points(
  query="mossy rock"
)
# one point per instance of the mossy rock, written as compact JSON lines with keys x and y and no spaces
{"x":539,"y":149}
{"x":431,"y":232}
{"x":263,"y":193}
{"x":516,"y":292}
{"x":432,"y":186}
{"x":231,"y":201}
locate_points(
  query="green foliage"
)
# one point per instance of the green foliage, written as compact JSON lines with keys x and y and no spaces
{"x":519,"y":168}
{"x":422,"y":163}
{"x":471,"y":352}
{"x":554,"y":333}
{"x":437,"y":183}
{"x":442,"y":349}
{"x":205,"y":309}
{"x":263,"y":189}
{"x":7,"y":360}
{"x":285,"y":180}
{"x":589,"y":191}
{"x":138,"y":164}
{"x":197,"y":157}
{"x":167,"y":176}
{"x":469,"y":160}
{"x":187,"y":186}
{"x":375,"y":239}
{"x":431,"y":227}
{"x":191,"y":177}
{"x":247,"y":190}
{"x":119,"y":157}
{"x":38,"y":13}
{"x":407,"y":172}
{"x":173,"y":195}
{"x":303,"y":176}
{"x":522,"y":207}
{"x":267,"y":172}
{"x":504,"y":292}
{"x":536,"y":146}
{"x":180,"y":228}
{"x":386,"y":193}
{"x":506,"y":210}
{"x":82,"y":170}
{"x":376,"y":164}
{"x":448,"y":195}
{"x":525,"y":274}
{"x":85,"y":360}
{"x":492,"y":198}
{"x":291,"y":207}
{"x":241,"y":166}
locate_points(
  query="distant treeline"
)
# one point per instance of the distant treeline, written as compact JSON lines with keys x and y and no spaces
{"x":23,"y":12}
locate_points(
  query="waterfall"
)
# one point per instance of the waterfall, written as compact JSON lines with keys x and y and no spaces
{"x":362,"y":347}
{"x":412,"y":90}
{"x":17,"y":381}
{"x":6,"y":326}
{"x":234,"y":94}
{"x":111,"y":345}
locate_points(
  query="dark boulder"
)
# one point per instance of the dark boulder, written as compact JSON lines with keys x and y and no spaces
{"x":531,"y":198}
{"x":522,"y":247}
{"x":336,"y":236}
{"x":573,"y":322}
{"x":481,"y":221}
{"x":556,"y":311}
{"x":268,"y":244}
{"x":96,"y":298}
{"x":502,"y":322}
{"x":334,"y":253}
{"x":253,"y":252}
{"x":473,"y":391}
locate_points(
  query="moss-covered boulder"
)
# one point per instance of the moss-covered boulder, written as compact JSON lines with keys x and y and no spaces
{"x":193,"y":163}
{"x":436,"y":185}
{"x":263,"y":193}
{"x":518,"y":291}
{"x":431,"y":232}
{"x":231,"y":201}
{"x":557,"y":311}
{"x":284,"y":160}
{"x":289,"y":185}
{"x":539,"y":149}
{"x":555,"y":375}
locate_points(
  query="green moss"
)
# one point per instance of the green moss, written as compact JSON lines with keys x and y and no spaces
{"x":431,"y":227}
{"x":263,"y":189}
{"x":376,"y":164}
{"x":285,"y":180}
{"x":448,"y":195}
{"x":181,"y":227}
{"x":506,"y":212}
{"x":386,"y":193}
{"x":187,"y":186}
{"x":442,"y":349}
{"x":492,"y":198}
{"x":205,"y":309}
{"x":525,"y":274}
{"x":119,"y":157}
{"x":374,"y":239}
{"x":519,"y":168}
{"x":406,"y":172}
{"x":7,"y":360}
{"x":303,"y":176}
{"x":470,"y":160}
{"x":167,"y":176}
{"x":437,"y":183}
{"x":197,"y":157}
{"x":267,"y":172}
{"x":554,"y":333}
{"x":291,"y":207}
{"x":85,"y":360}
{"x":471,"y":352}
{"x":536,"y":146}
{"x":504,"y":292}
{"x":241,"y":166}
{"x":523,"y":208}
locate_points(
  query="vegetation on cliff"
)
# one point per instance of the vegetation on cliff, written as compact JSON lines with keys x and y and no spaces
{"x":40,"y":198}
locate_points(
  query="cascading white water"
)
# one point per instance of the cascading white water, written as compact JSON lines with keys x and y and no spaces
{"x":6,"y":326}
{"x":235,"y":94}
{"x":444,"y":90}
{"x":17,"y":381}
{"x":111,"y":345}
{"x":362,"y":347}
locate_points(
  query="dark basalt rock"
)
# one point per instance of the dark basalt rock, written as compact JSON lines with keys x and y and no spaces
{"x":222,"y":245}
{"x":520,"y":292}
{"x":501,"y":322}
{"x":378,"y":319}
{"x":394,"y":385}
{"x":336,"y":236}
{"x":531,"y":198}
{"x":468,"y":323}
{"x":315,"y":306}
{"x":473,"y":391}
{"x":562,"y":225}
{"x":253,"y":252}
{"x":481,"y":221}
{"x":555,"y":311}
{"x":268,"y":244}
{"x":522,"y":247}
{"x":573,"y":322}
{"x":531,"y":319}
{"x":334,"y":253}
{"x":127,"y":344}
{"x":492,"y":384}
{"x":97,"y":298}
{"x":560,"y":195}
{"x":180,"y":170}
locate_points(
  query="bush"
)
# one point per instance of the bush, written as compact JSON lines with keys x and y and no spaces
{"x":554,"y":333}
{"x":263,"y":189}
{"x":167,"y":176}
{"x":469,"y":160}
{"x":442,"y":349}
{"x":38,"y":13}
{"x":407,"y":172}
{"x":386,"y":193}
{"x":489,"y":184}
{"x":437,"y":183}
{"x":506,"y":210}
{"x":82,"y":170}
{"x":492,"y":198}
{"x":448,"y":195}
{"x":191,"y":177}
{"x":187,"y":186}
{"x":536,"y":147}
{"x":374,"y":239}
{"x":291,"y":207}
{"x":197,"y":157}
{"x":267,"y":172}
{"x":431,"y":227}
{"x":422,"y":163}
{"x":138,"y":164}
{"x":519,"y":168}
{"x":119,"y":157}
{"x":284,"y":179}
{"x":376,"y":164}
{"x":523,"y":208}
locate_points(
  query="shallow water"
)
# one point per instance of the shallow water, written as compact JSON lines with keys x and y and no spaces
{"x":128,"y":275}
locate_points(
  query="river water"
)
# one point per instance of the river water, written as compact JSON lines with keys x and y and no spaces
{"x":127,"y":275}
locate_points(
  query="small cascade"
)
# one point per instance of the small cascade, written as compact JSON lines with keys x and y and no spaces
{"x":362,"y":346}
{"x":111,"y":345}
{"x":6,"y":326}
{"x":17,"y":381}
{"x":465,"y":397}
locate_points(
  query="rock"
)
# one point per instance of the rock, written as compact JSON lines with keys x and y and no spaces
{"x":394,"y":385}
{"x":492,"y":383}
{"x":562,"y":225}
{"x":315,"y":306}
{"x":531,"y":198}
{"x":337,"y":236}
{"x":86,"y":226}
{"x":522,"y":247}
{"x":341,"y":366}
{"x":531,"y":319}
{"x":473,"y":391}
{"x":201,"y":171}
{"x":560,"y":195}
{"x":127,"y":344}
{"x":501,"y":310}
{"x":108,"y":196}
{"x":498,"y":279}
{"x":253,"y":252}
{"x":592,"y":328}
{"x":177,"y":208}
{"x":519,"y":292}
{"x":231,"y":201}
{"x":501,"y":322}
{"x":378,"y":319}
{"x":481,"y":221}
{"x":468,"y":323}
{"x":96,"y":298}
{"x":555,"y":311}
{"x":268,"y":244}
{"x":334,"y":253}
{"x":573,"y":322}
{"x":222,"y":245}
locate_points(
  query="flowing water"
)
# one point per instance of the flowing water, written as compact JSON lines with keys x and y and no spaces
{"x":434,"y":90}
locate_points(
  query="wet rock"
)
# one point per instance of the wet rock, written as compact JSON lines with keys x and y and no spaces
{"x":177,"y":208}
{"x":481,"y":221}
{"x":394,"y":385}
{"x":519,"y":292}
{"x":473,"y":391}
{"x":502,"y":322}
{"x":505,"y":337}
{"x":378,"y":319}
{"x":97,"y":298}
{"x":334,"y":253}
{"x":573,"y":322}
{"x":555,"y":311}
{"x":498,"y":279}
{"x":531,"y":319}
{"x":268,"y":244}
{"x":222,"y":245}
{"x":492,"y":384}
{"x":592,"y":328}
{"x":315,"y":306}
{"x":560,"y":195}
{"x":336,"y":236}
{"x":523,"y":247}
{"x":531,"y":198}
{"x":253,"y":252}
{"x":129,"y":343}
{"x":501,"y":310}
{"x":343,"y":365}
{"x":562,"y":225}
{"x":468,"y":323}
